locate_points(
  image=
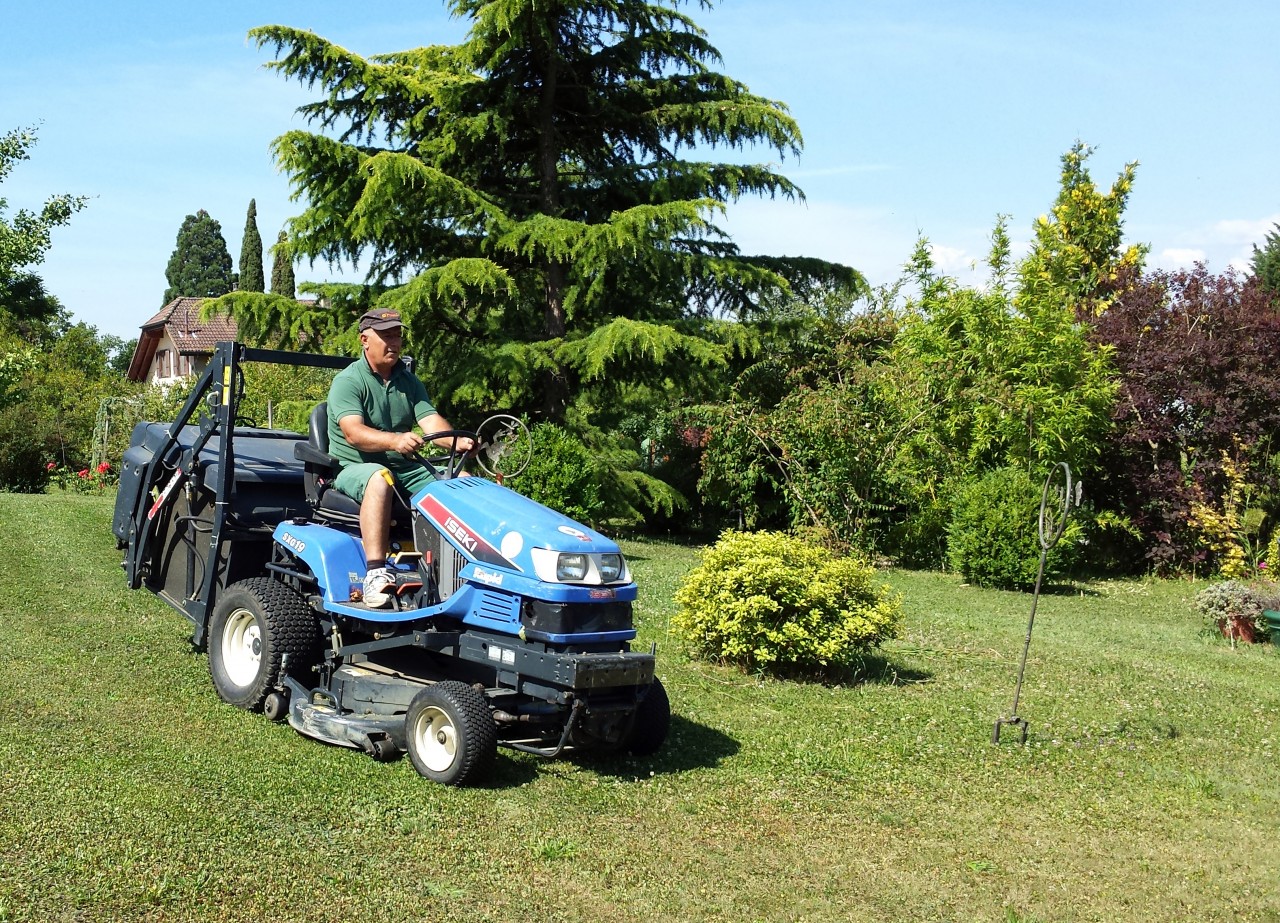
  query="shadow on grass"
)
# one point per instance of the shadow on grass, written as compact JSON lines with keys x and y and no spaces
{"x":512,"y":770}
{"x":1058,"y":588}
{"x":636,"y":542}
{"x":879,"y":670}
{"x":689,"y":746}
{"x":1065,"y":589}
{"x":871,"y":670}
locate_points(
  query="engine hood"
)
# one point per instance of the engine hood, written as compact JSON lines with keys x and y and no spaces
{"x":497,"y":526}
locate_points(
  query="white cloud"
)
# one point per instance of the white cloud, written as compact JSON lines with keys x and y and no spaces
{"x":869,"y":239}
{"x":952,"y":260}
{"x":1240,"y":237}
{"x":1220,"y":245}
{"x":1245,"y":231}
{"x":878,"y":242}
{"x":1179,"y":258}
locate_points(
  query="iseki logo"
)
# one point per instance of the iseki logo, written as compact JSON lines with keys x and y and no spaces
{"x":459,"y":531}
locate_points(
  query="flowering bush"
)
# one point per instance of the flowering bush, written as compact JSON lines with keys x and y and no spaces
{"x":773,"y":602}
{"x":83,"y":480}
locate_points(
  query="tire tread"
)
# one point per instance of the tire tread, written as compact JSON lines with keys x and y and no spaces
{"x":289,"y":627}
{"x":476,"y":728}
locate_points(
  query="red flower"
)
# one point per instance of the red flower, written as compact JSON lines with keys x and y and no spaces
{"x":84,"y":473}
{"x":104,"y":468}
{"x":50,"y":466}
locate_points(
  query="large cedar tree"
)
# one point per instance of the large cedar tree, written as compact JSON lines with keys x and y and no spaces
{"x":533,"y":200}
{"x":200,"y":266}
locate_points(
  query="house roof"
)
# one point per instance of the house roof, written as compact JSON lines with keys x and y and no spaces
{"x":194,"y":337}
{"x":182,"y":317}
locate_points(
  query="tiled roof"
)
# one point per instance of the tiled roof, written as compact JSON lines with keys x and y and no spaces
{"x":182,"y":318}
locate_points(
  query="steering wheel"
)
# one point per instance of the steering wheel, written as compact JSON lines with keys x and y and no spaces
{"x":451,"y":460}
{"x":504,"y":448}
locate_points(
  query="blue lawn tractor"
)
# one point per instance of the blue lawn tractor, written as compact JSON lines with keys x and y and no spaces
{"x":511,"y":624}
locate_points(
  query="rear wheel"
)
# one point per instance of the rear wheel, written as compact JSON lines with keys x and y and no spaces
{"x":450,"y":734}
{"x":260,"y":628}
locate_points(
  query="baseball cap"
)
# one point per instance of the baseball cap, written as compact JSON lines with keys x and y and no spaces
{"x":380,"y":319}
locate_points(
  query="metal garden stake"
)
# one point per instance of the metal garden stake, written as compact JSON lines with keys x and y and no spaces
{"x":1053,"y":521}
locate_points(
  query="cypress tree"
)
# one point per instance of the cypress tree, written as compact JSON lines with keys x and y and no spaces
{"x":200,"y":266}
{"x":282,"y":280}
{"x":251,"y":253}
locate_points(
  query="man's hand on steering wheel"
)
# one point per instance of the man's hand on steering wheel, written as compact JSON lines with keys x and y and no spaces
{"x":458,"y":445}
{"x":408,"y":443}
{"x":464,"y":444}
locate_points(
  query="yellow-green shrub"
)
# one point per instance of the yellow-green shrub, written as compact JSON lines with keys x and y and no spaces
{"x":771,"y":601}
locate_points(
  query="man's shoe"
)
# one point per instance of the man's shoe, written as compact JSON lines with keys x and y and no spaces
{"x":377,"y":583}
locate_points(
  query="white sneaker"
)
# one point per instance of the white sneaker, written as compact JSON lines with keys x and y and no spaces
{"x":376,"y":584}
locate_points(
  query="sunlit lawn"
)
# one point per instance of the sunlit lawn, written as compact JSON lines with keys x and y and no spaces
{"x":1148,"y":790}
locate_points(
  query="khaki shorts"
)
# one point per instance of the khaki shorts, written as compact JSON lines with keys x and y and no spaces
{"x":353,"y":479}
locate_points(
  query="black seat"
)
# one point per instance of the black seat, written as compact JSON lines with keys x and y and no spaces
{"x":320,"y":468}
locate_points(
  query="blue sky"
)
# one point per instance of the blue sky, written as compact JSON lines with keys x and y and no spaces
{"x":926,"y":118}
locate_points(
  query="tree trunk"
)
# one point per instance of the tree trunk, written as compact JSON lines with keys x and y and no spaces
{"x":555,"y":394}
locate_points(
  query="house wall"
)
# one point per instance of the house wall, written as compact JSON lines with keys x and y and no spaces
{"x":170,"y":364}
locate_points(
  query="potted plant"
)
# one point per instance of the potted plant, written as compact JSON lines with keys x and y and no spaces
{"x":1233,"y":608}
{"x":1267,"y":595}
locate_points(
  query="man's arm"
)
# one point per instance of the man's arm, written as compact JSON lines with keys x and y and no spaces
{"x":365,"y":438}
{"x":434,"y":423}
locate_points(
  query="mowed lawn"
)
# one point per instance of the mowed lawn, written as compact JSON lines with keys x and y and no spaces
{"x":1149,"y":788}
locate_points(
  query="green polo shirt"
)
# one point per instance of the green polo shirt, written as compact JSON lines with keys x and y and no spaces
{"x":394,"y":406}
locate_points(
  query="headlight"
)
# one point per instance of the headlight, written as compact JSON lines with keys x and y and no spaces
{"x":610,"y":567}
{"x":571,"y":568}
{"x":581,"y":567}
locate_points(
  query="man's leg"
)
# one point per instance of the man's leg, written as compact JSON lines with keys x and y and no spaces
{"x":375,"y":535}
{"x":370,"y":486}
{"x":375,"y":517}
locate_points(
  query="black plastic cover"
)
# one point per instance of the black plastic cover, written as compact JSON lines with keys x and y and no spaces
{"x":575,"y":618}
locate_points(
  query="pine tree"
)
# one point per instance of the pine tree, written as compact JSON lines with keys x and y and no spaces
{"x":282,"y":280}
{"x":1266,"y":263}
{"x":251,"y":253}
{"x":527,"y":199}
{"x":200,"y":266}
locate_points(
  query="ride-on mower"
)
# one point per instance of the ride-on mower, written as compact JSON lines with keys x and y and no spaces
{"x":510,"y":625}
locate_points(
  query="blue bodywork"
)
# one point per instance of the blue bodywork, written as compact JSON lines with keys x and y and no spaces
{"x":495,"y":530}
{"x":510,"y":623}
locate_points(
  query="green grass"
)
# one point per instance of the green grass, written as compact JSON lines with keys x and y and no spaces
{"x":1149,"y":788}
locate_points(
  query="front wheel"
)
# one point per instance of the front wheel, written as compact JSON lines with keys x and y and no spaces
{"x":450,"y":733}
{"x":651,"y":723}
{"x":258,"y":626}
